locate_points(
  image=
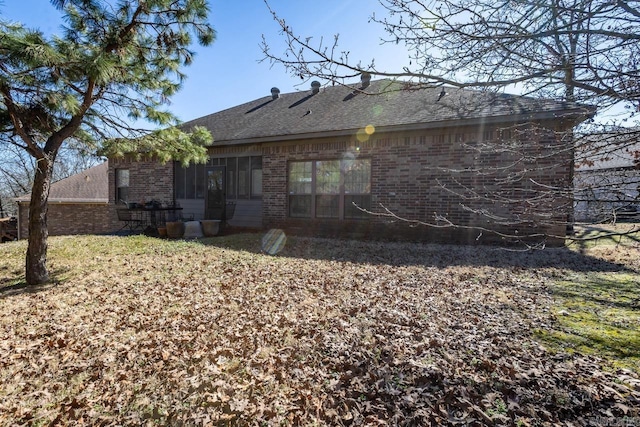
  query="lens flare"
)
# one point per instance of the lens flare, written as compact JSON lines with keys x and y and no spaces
{"x":363,"y":134}
{"x":274,"y":241}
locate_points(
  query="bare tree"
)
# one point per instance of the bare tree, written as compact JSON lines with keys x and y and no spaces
{"x":18,"y":169}
{"x":574,"y":51}
{"x":570,"y":49}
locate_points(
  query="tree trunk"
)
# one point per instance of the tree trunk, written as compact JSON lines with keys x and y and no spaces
{"x":36,"y":262}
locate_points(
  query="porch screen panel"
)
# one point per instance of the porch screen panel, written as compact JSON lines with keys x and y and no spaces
{"x":232,"y":167}
{"x":256,"y":177}
{"x":244,"y":177}
{"x":191,"y":182}
{"x":200,"y":187}
{"x":180,"y":181}
{"x":357,"y":187}
{"x":328,"y":188}
{"x":300,"y":185}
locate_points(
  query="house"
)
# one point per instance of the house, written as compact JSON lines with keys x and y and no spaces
{"x":8,"y":229}
{"x":77,"y":205}
{"x":607,"y":176}
{"x":316,"y":161}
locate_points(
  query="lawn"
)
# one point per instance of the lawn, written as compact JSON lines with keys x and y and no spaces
{"x":137,"y":330}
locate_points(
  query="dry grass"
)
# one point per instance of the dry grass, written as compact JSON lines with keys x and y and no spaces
{"x":138,"y":330}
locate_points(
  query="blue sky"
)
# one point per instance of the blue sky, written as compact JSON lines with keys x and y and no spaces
{"x":228,"y":73}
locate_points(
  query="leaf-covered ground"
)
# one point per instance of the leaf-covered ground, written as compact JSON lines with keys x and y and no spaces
{"x":143,"y":331}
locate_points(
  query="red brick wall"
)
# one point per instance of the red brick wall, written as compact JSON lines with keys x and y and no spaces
{"x":411,"y":176}
{"x":70,"y":218}
{"x":148,"y":180}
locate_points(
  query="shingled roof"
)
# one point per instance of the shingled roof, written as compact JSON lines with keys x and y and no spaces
{"x":89,"y":186}
{"x":387,"y":105}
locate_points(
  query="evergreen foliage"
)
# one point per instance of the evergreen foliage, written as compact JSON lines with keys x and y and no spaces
{"x":115,"y":65}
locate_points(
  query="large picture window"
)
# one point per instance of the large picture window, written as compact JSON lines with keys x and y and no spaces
{"x":329,"y":188}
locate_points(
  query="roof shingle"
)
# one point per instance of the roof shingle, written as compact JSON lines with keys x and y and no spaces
{"x":89,"y":186}
{"x":385,"y":104}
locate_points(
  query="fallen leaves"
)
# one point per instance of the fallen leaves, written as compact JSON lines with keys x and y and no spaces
{"x":328,"y":333}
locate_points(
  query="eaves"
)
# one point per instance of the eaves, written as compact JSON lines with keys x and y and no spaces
{"x":68,"y":201}
{"x":579,"y":113}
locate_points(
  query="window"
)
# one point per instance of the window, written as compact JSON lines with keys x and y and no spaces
{"x":300,"y":189}
{"x":329,"y":188}
{"x":122,"y":185}
{"x":357,"y":188}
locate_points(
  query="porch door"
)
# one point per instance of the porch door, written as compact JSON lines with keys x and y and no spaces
{"x":216,"y":193}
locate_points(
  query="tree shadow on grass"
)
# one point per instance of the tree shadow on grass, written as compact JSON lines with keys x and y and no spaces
{"x":589,"y":236}
{"x":419,"y":254}
{"x":12,"y":286}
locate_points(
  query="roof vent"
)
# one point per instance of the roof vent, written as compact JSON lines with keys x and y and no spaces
{"x":315,"y":87}
{"x":275,"y":93}
{"x":365,"y":79}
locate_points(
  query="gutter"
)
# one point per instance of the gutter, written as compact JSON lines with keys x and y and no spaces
{"x":77,"y":201}
{"x":57,"y":202}
{"x":70,"y":201}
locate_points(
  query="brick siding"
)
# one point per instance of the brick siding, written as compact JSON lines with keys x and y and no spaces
{"x":438,"y":177}
{"x":148,"y":180}
{"x":70,"y":218}
{"x":412,"y":177}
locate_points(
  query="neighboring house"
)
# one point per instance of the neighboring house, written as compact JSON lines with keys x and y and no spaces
{"x":77,"y":205}
{"x":607,"y":176}
{"x":302,"y":161}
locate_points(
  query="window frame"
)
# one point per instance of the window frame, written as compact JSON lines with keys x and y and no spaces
{"x":119,"y":196}
{"x":300,"y":193}
{"x":317,"y":194}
